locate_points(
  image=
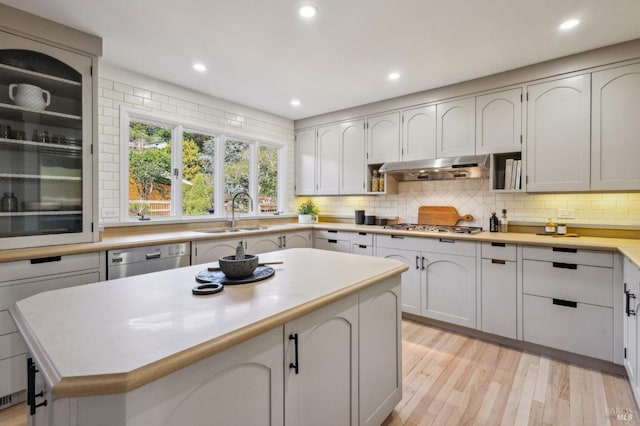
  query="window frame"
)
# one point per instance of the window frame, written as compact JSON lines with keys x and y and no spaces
{"x":178,"y":127}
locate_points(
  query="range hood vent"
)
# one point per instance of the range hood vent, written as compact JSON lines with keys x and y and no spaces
{"x":465,"y":167}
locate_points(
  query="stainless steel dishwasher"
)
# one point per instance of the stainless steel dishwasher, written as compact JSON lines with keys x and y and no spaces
{"x":141,"y":260}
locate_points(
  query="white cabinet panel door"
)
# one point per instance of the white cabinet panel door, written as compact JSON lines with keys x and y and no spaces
{"x":411,"y":279}
{"x":499,"y":122}
{"x":306,"y":162}
{"x":499,"y":298}
{"x":383,"y":138}
{"x":419,"y":133}
{"x":558,"y":140}
{"x":328,"y":150}
{"x":352,"y":158}
{"x":615,"y":128}
{"x":456,"y":128}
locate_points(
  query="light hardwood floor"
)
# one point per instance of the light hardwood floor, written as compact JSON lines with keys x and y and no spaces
{"x":450,"y":379}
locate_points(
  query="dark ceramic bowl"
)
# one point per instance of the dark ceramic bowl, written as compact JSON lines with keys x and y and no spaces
{"x":234,"y":269}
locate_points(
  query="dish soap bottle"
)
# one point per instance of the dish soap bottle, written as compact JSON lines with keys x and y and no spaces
{"x":504,"y":222}
{"x":493,"y":222}
{"x":550,"y":227}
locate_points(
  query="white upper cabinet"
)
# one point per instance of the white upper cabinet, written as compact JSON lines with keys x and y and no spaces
{"x":328,"y":151}
{"x":419,"y":133}
{"x":456,"y":128}
{"x":383,"y":136}
{"x":306,"y":162}
{"x":499,"y":122}
{"x":558,"y":140}
{"x":352,"y":158}
{"x":615,"y":126}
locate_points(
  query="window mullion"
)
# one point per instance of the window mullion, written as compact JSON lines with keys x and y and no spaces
{"x":176,"y":171}
{"x":253,"y":177}
{"x":219,"y":177}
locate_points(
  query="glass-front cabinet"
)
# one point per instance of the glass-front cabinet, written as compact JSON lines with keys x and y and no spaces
{"x":46,"y":134}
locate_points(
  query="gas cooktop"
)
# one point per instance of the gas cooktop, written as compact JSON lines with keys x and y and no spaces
{"x":435,"y":228}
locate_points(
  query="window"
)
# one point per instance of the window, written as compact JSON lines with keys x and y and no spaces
{"x":175,"y":170}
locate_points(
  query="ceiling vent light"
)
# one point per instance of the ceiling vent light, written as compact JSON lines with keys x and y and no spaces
{"x":199,"y":67}
{"x":307,"y":11}
{"x":295,"y":102}
{"x":393,"y":76}
{"x":567,"y":25}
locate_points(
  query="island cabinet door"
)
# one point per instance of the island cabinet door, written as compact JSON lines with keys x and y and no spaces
{"x":321,"y":366}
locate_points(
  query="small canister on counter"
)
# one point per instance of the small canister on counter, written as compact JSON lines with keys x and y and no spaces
{"x":359,"y":217}
{"x":561,"y":229}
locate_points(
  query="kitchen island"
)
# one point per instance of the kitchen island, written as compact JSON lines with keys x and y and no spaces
{"x":319,"y":340}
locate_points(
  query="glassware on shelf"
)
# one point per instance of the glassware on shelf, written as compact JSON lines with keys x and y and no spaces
{"x":40,"y":135}
{"x":5,"y":132}
{"x":9,"y":202}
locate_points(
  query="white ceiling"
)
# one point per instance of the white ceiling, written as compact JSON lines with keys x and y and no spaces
{"x":260,"y":53}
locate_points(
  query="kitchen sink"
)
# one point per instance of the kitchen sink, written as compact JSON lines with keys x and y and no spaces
{"x":229,"y":230}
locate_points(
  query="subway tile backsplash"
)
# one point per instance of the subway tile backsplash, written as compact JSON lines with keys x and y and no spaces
{"x":474,"y":197}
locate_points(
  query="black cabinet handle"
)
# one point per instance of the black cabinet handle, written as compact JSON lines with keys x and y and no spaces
{"x":565,"y":265}
{"x":295,"y":365}
{"x":417,"y":262}
{"x":498,"y":245}
{"x":333,"y":231}
{"x":46,"y":259}
{"x":362,"y":246}
{"x":31,"y":388}
{"x":498,"y":261}
{"x":565,"y":250}
{"x":333,"y":241}
{"x":423,"y":267}
{"x":447,"y":240}
{"x":400,"y":237}
{"x":566,"y":303}
{"x":362,"y":233}
{"x":628,"y":296}
{"x":284,"y":241}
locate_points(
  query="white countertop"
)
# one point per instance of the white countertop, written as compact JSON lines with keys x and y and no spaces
{"x":114,"y":336}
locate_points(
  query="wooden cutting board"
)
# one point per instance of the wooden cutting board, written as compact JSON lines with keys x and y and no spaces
{"x":441,"y":215}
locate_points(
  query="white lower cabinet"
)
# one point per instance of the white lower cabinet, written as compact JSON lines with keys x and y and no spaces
{"x":273,"y":242}
{"x":321,"y":381}
{"x":499,"y":290}
{"x":212,"y":250}
{"x":630,"y":325}
{"x":441,"y":280}
{"x":568,"y":300}
{"x":25,"y":278}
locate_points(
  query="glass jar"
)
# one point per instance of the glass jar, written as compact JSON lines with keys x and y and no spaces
{"x":9,"y":202}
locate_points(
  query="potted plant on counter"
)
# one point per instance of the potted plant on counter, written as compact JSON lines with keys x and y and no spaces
{"x":307,"y":212}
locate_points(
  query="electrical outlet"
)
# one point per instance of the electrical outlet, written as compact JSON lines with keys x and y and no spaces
{"x":109,"y":212}
{"x":566,"y":213}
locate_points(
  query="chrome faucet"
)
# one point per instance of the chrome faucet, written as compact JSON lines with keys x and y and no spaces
{"x":233,"y":206}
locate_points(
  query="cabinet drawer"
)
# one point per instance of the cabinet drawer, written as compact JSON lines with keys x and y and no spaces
{"x":332,"y":234}
{"x":499,"y":251}
{"x":585,"y":284}
{"x":585,"y":329}
{"x":363,"y":238}
{"x":11,"y":345}
{"x":48,"y":266}
{"x":333,"y":245}
{"x":13,"y":374}
{"x":6,"y":323}
{"x":569,"y":255}
{"x":441,"y":245}
{"x":363,"y":249}
{"x":9,"y":295}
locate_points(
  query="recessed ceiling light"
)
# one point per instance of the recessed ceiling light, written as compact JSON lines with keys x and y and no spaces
{"x":295,"y":102}
{"x":307,"y":11}
{"x":393,"y":76}
{"x":567,"y":25}
{"x":199,"y":67}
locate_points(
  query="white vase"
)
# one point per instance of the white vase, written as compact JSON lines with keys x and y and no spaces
{"x":307,"y":218}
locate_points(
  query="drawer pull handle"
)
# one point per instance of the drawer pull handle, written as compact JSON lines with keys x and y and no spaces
{"x":567,"y":303}
{"x":150,"y":256}
{"x":498,"y":245}
{"x":565,"y":265}
{"x":423,"y":267}
{"x":417,"y":262}
{"x":46,"y":259}
{"x":333,"y":241}
{"x":117,"y":260}
{"x":362,"y":246}
{"x":362,"y":233}
{"x":400,"y":237}
{"x":565,"y":250}
{"x":628,"y":297}
{"x":332,"y":231}
{"x":447,"y":240}
{"x":296,"y":364}
{"x":499,"y":261}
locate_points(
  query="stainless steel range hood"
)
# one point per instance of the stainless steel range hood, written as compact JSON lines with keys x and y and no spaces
{"x":465,"y":167}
